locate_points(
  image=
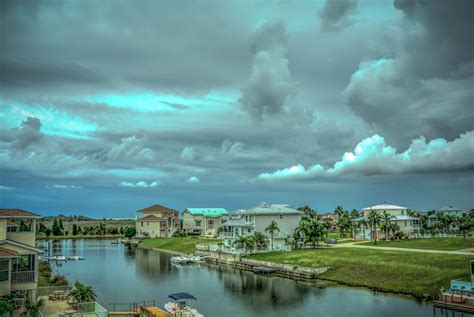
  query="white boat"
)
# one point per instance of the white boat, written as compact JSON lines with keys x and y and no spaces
{"x":75,"y":257}
{"x":60,"y":258}
{"x":187,"y":259}
{"x":178,"y":306}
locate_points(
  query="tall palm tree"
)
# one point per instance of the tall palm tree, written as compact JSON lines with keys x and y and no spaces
{"x":393,"y":228}
{"x":466,"y":223}
{"x":339,"y":211}
{"x":271,"y":229}
{"x":374,"y":218}
{"x":82,"y":293}
{"x":363,"y":222}
{"x":386,"y":220}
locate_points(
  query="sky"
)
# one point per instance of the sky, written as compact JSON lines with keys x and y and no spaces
{"x":107,"y":107}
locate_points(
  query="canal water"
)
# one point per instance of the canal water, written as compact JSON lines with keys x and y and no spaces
{"x":120,"y":275}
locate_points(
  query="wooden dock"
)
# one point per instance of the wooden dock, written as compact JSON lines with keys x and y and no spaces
{"x":456,"y":302}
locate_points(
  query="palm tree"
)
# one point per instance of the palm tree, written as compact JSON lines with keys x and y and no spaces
{"x":386,"y":220}
{"x":259,"y":239}
{"x":339,"y":211}
{"x":271,"y":229}
{"x":355,"y":214}
{"x":33,"y":309}
{"x":466,"y":223}
{"x":363,"y":222}
{"x":82,"y":293}
{"x":243,"y":241}
{"x":327,"y":225}
{"x":394,"y":228}
{"x":374,"y":219}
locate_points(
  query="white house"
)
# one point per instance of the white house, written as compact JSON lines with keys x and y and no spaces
{"x":157,"y":221}
{"x":247,"y":222}
{"x":408,"y":225}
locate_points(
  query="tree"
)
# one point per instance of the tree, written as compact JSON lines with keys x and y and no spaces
{"x":308,"y":212}
{"x":130,"y":232}
{"x":271,"y":229}
{"x":394,"y":228}
{"x":386,"y":220}
{"x":363,"y":223}
{"x":33,"y":309}
{"x":6,"y":307}
{"x":327,"y":224}
{"x":74,"y":229}
{"x":339,"y":211}
{"x":82,"y":293}
{"x":354,"y":214}
{"x":243,"y":242}
{"x":373,"y":220}
{"x":56,"y":228}
{"x":48,"y":232}
{"x":259,"y":240}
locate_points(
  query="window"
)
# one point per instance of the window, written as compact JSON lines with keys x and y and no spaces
{"x":281,"y":216}
{"x":147,"y":223}
{"x":403,"y":212}
{"x":24,"y":263}
{"x":248,"y":230}
{"x":210,"y":222}
{"x":197,"y":222}
{"x":142,"y":223}
{"x":4,"y":270}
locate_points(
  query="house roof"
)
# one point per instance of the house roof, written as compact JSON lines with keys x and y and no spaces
{"x":207,"y":212}
{"x":274,"y":209}
{"x":394,"y":218}
{"x":448,"y":209}
{"x":237,"y":223}
{"x":385,"y":207}
{"x":4,"y":252}
{"x":150,"y":218}
{"x":17,"y":213}
{"x":21,"y":245}
{"x":156,"y":208}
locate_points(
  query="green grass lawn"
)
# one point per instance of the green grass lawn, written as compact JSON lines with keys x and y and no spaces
{"x":181,"y":245}
{"x":453,"y":243}
{"x":404,"y":272}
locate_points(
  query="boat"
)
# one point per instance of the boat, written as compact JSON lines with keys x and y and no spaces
{"x":75,"y":257}
{"x":178,"y":306}
{"x":60,"y":258}
{"x":187,"y":259}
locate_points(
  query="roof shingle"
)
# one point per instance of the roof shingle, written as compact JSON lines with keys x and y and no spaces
{"x":17,"y":213}
{"x":156,"y":208}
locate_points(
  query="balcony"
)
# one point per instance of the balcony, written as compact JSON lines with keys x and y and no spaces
{"x":23,"y":277}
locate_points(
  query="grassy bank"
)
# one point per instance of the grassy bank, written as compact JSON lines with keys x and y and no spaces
{"x":450,"y":244}
{"x":393,"y":271}
{"x":180,"y":245}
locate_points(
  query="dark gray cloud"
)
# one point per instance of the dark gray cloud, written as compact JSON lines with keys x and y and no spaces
{"x":28,"y":134}
{"x":426,"y":87}
{"x":270,"y":82}
{"x":335,"y":14}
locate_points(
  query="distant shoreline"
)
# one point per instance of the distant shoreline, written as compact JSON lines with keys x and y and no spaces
{"x":117,"y":236}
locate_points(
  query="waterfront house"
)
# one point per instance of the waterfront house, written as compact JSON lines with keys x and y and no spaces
{"x":451,"y":211}
{"x":18,"y":255}
{"x":247,"y":222}
{"x":157,"y":221}
{"x":204,"y":221}
{"x":399,"y":215}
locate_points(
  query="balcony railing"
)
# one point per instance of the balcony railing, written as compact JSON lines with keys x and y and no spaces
{"x":23,"y":277}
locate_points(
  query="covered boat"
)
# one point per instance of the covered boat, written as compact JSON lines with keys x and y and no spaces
{"x":178,"y":306}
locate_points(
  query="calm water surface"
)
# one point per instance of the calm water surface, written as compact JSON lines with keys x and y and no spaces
{"x":122,"y":276}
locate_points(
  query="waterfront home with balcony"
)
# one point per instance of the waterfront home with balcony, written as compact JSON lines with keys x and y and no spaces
{"x":433,"y":218}
{"x":157,"y":221}
{"x":408,"y":225}
{"x":247,"y":222}
{"x":204,"y":221}
{"x":18,"y":255}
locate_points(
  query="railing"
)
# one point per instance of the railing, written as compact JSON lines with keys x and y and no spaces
{"x":230,"y":249}
{"x":91,"y":308}
{"x":23,"y":277}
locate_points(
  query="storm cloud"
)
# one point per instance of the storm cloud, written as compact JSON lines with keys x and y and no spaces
{"x":106,"y":107}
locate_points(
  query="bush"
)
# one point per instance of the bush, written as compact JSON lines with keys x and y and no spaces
{"x":45,"y":269}
{"x":6,"y":307}
{"x":59,"y":280}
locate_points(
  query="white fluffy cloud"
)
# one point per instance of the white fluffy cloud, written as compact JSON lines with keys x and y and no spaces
{"x":140,"y":184}
{"x":372,"y":156}
{"x":62,"y":186}
{"x":193,"y":179}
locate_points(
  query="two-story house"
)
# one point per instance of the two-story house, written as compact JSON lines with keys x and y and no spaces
{"x":257,"y":219}
{"x":18,"y":255}
{"x":204,"y":221}
{"x":399,"y":215}
{"x":157,"y":221}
